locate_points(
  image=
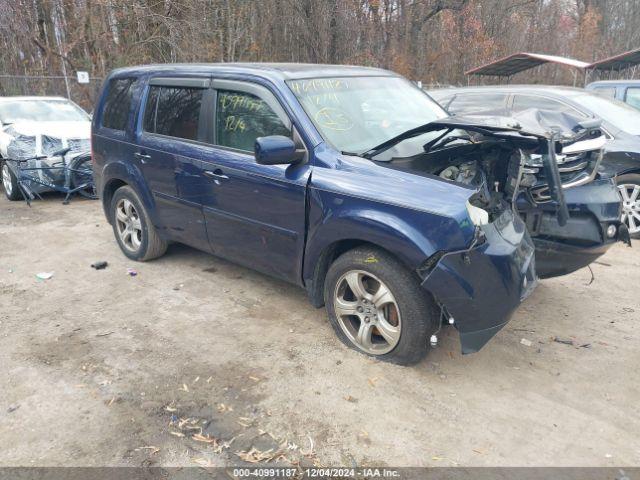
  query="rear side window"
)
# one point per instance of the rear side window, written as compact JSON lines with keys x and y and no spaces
{"x":477,"y":103}
{"x":242,"y":117}
{"x":173,"y":111}
{"x":607,"y":92}
{"x":115,"y":113}
{"x":632,"y":97}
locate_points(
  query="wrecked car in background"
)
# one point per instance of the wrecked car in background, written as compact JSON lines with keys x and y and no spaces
{"x":349,"y":182}
{"x":39,"y":127}
{"x":585,"y":174}
{"x":620,"y":125}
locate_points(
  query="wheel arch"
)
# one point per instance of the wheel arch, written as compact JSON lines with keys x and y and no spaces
{"x":315,"y":284}
{"x":119,"y":174}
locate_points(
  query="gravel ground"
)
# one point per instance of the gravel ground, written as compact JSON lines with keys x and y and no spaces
{"x":196,"y":361}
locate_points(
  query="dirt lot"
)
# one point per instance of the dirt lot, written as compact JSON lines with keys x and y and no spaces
{"x":100,"y":368}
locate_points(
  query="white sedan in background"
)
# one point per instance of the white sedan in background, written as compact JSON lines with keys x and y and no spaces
{"x":37,"y":126}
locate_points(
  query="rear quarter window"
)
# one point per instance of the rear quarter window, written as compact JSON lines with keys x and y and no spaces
{"x":117,"y":104}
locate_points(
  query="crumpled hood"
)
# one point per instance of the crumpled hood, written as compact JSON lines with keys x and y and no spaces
{"x":80,"y":130}
{"x":538,"y":124}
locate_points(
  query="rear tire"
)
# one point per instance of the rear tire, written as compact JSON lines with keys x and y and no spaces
{"x":136,"y":235}
{"x":629,"y":188}
{"x":10,"y":183}
{"x":401,"y":319}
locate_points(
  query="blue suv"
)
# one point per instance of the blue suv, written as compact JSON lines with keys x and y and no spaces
{"x":349,"y":182}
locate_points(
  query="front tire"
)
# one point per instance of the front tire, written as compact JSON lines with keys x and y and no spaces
{"x":376,"y":306}
{"x":10,"y":183}
{"x":629,"y":188}
{"x":136,"y":235}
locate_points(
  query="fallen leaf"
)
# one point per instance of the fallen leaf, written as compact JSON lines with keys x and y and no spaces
{"x":198,"y":437}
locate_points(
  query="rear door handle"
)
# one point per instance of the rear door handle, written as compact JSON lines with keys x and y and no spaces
{"x":217,"y":175}
{"x":142,"y":156}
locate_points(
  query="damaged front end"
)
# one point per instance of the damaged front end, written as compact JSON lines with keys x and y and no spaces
{"x":516,"y":167}
{"x":481,"y":287}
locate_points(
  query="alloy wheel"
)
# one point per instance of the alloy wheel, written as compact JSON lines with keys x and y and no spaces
{"x":6,"y":179}
{"x":128,"y":225}
{"x":367,"y":312}
{"x":630,"y":206}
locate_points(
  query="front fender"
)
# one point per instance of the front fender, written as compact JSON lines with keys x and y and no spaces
{"x":411,"y":235}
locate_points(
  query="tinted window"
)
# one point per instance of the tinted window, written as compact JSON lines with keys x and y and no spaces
{"x":242,"y":117}
{"x":524,"y":102}
{"x":477,"y":103}
{"x":117,"y":104}
{"x":608,"y":92}
{"x":632,"y":97}
{"x":149,"y":123}
{"x":177,"y":111}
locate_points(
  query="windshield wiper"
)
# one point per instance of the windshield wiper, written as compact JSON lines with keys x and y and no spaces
{"x":445,"y":141}
{"x":414,"y":132}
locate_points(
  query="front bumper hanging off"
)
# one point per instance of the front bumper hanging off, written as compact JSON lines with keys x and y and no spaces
{"x":481,"y":287}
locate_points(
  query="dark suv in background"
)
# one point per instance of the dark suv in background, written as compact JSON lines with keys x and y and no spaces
{"x":620,"y":123}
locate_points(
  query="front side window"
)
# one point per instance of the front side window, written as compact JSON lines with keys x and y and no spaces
{"x":525,"y":102}
{"x":632,"y":97}
{"x":356,"y":114}
{"x":173,"y":111}
{"x":242,"y":117}
{"x":115,"y":113}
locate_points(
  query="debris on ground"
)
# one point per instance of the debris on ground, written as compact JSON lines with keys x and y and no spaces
{"x":566,"y":341}
{"x":44,"y":275}
{"x":153,"y":449}
{"x":13,"y":408}
{"x":100,"y":265}
{"x":104,"y":334}
{"x":132,"y":272}
{"x":256,"y":456}
{"x":525,"y":342}
{"x":351,"y":399}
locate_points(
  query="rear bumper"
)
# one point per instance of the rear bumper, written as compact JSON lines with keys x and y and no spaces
{"x":481,"y":287}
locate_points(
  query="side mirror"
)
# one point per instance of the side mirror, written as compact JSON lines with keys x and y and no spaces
{"x":276,"y":150}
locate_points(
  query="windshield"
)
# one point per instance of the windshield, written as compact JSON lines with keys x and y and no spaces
{"x":618,"y":114}
{"x":41,"y":111}
{"x":356,"y":114}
